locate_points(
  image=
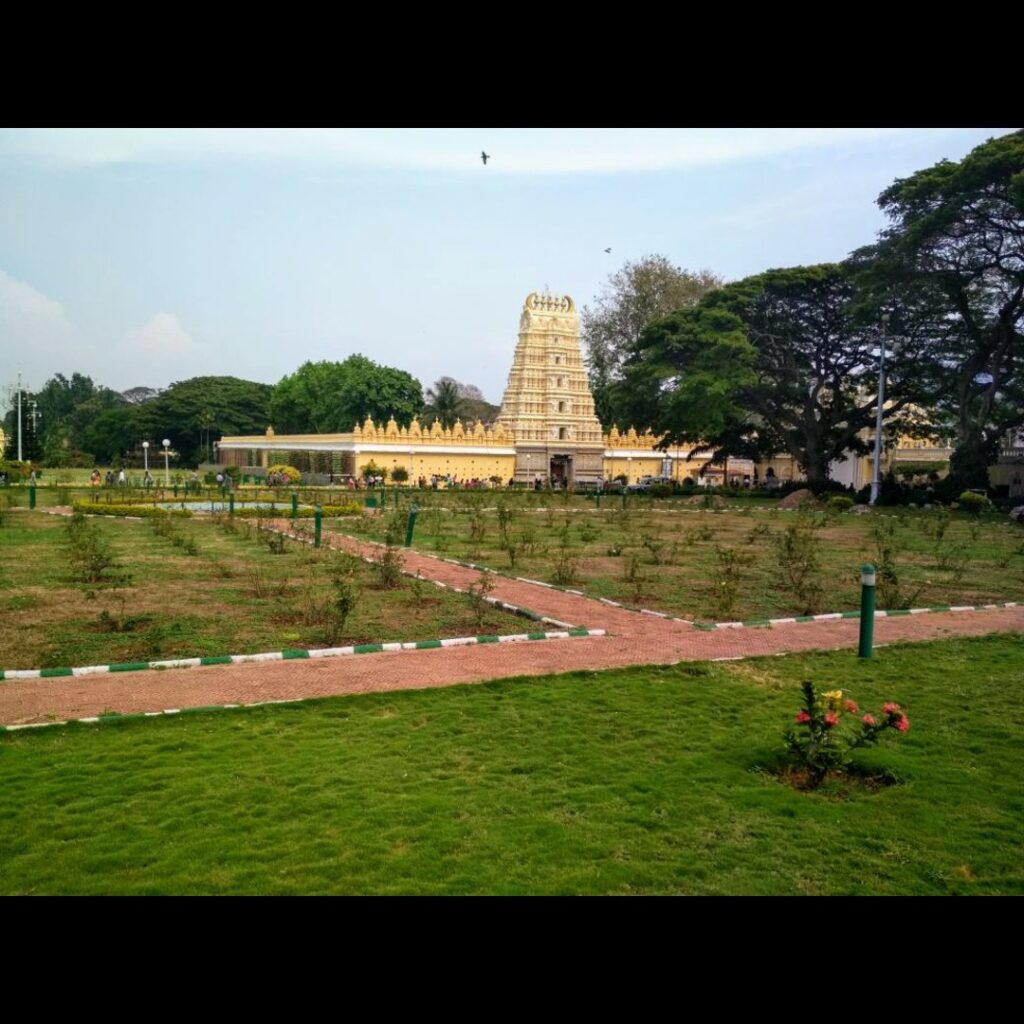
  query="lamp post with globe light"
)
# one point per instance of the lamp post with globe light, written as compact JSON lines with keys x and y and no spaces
{"x":145,"y":455}
{"x":167,"y":471}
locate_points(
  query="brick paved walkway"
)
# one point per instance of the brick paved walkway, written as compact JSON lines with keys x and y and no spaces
{"x":635,"y":639}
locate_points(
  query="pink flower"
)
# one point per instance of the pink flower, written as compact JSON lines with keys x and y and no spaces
{"x":851,"y":706}
{"x":891,"y":708}
{"x":831,"y":718}
{"x":802,"y":718}
{"x":868,"y":719}
{"x":903,"y":724}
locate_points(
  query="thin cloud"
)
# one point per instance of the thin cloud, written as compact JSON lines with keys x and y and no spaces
{"x":514,"y":151}
{"x":31,"y":322}
{"x":163,"y":336}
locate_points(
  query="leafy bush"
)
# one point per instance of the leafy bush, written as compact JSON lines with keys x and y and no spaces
{"x":399,"y":475}
{"x":660,"y":491}
{"x":972,"y":502}
{"x":840,"y":503}
{"x":291,"y":474}
{"x":799,"y":569}
{"x":820,"y":745}
{"x":478,"y":594}
{"x":731,"y":562}
{"x":135,"y":511}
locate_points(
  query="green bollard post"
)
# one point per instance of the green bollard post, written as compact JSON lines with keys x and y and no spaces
{"x":317,"y":518}
{"x":32,"y":496}
{"x":411,"y":525}
{"x":867,"y":610}
{"x":176,"y":490}
{"x":295,"y":504}
{"x":231,"y":503}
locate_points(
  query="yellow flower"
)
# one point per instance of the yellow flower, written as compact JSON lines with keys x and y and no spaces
{"x":833,"y":695}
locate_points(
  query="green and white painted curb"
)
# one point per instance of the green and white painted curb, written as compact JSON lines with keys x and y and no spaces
{"x":286,"y":655}
{"x":832,"y":616}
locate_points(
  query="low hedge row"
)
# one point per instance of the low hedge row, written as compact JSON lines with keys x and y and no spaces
{"x":136,"y":511}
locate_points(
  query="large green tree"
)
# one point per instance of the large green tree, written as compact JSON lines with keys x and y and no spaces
{"x":818,"y":349}
{"x":804,"y":384}
{"x":953,"y":260}
{"x":193,"y":413}
{"x":684,"y":374}
{"x":325,"y":397}
{"x":112,"y":434}
{"x":633,"y":297}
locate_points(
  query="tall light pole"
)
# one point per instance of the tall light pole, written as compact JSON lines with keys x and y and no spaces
{"x":876,"y":478}
{"x":19,"y":418}
{"x":167,"y":471}
{"x":145,"y":455}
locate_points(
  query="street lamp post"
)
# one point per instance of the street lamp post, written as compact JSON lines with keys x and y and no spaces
{"x":876,"y":477}
{"x":145,"y":456}
{"x":19,"y":419}
{"x":167,"y":471}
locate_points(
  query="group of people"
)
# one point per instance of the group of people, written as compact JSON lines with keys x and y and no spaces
{"x":110,"y":480}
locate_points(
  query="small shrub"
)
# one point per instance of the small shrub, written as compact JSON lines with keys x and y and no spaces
{"x":388,"y":568}
{"x":477,"y":594}
{"x":655,"y":548}
{"x":799,"y":570}
{"x":759,"y":532}
{"x":731,"y":562}
{"x":822,"y":741}
{"x":290,"y":473}
{"x":839,"y":503}
{"x":973,"y":502}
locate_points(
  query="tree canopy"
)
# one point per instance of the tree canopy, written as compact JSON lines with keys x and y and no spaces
{"x":952,"y":262}
{"x":779,"y":362}
{"x":193,"y":413}
{"x":633,"y":297}
{"x":326,"y":397}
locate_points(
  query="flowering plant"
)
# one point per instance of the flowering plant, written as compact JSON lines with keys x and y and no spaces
{"x":823,"y":738}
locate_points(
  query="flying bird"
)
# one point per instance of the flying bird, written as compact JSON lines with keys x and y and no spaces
{"x":485,"y":157}
{"x":607,"y":250}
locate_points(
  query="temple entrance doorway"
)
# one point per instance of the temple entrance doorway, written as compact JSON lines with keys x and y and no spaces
{"x":561,"y":470}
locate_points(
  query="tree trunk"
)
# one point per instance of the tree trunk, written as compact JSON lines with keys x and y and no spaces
{"x":970,"y":460}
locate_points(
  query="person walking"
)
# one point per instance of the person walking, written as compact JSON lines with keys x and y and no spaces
{"x":122,"y":480}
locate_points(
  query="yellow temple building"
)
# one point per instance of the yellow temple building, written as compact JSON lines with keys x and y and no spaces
{"x":546,"y":431}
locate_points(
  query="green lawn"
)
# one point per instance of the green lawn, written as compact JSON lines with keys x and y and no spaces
{"x":232,"y":596}
{"x":651,"y":780}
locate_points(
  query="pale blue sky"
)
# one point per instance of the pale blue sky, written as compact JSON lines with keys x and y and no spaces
{"x":141,"y":257}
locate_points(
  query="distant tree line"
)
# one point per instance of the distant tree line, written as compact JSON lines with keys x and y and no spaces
{"x":75,"y":422}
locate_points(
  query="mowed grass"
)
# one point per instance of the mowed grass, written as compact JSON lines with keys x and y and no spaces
{"x":650,"y":780}
{"x":233,"y":596}
{"x":669,"y":556}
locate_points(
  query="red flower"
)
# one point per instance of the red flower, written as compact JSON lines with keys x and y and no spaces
{"x":891,"y":708}
{"x":851,"y":706}
{"x":868,"y":719}
{"x":903,"y":724}
{"x":831,"y":718}
{"x":802,"y":718}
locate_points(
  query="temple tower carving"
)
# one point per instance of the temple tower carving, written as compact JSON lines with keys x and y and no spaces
{"x":547,"y":403}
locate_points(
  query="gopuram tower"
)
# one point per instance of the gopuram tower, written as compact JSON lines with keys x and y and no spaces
{"x":547,"y":403}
